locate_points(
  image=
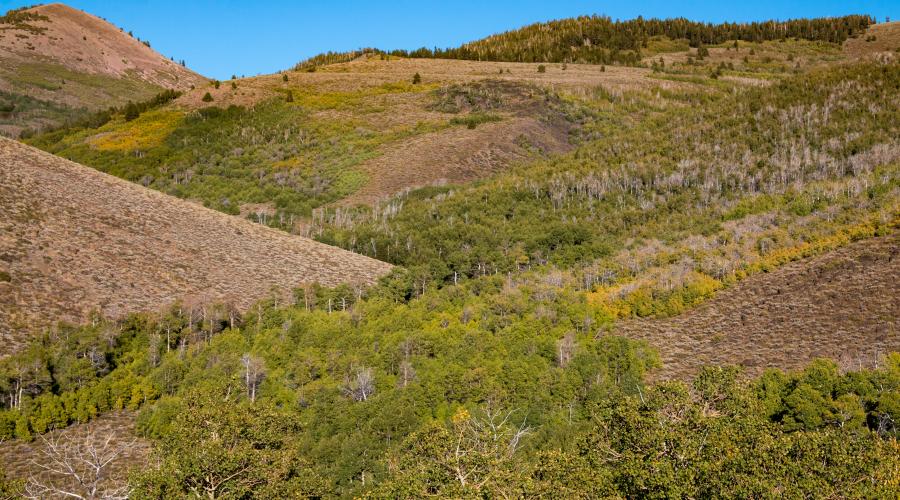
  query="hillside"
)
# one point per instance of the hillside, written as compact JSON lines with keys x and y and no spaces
{"x":352,"y":133}
{"x":75,"y":240}
{"x":328,"y":134}
{"x":56,"y":62}
{"x":610,"y":281}
{"x":843,"y":305}
{"x":601,"y":40}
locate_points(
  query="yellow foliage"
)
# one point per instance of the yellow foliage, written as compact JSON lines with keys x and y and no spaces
{"x":461,"y":416}
{"x":145,"y":132}
{"x":310,"y":98}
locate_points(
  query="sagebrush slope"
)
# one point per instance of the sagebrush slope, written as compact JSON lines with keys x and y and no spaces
{"x":56,"y":60}
{"x":842,"y":305}
{"x":74,"y":240}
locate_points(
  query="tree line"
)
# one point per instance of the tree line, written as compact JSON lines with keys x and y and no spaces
{"x":602,"y":40}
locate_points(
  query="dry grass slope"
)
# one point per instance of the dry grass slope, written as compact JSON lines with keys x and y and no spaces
{"x":73,"y":59}
{"x":883,"y":38}
{"x":74,"y":240}
{"x":844,"y":305}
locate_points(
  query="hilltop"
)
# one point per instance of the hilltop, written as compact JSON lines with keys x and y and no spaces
{"x":56,"y":62}
{"x":75,"y":241}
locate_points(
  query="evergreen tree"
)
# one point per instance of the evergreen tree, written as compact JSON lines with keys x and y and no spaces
{"x":131,"y":111}
{"x":207,"y":97}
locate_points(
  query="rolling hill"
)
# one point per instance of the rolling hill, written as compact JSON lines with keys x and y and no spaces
{"x":57,"y":62}
{"x":612,"y":281}
{"x":75,"y":241}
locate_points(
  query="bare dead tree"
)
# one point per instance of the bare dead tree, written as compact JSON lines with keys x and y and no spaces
{"x":565,"y":349}
{"x":360,"y":385}
{"x":78,"y":468}
{"x":254,"y":373}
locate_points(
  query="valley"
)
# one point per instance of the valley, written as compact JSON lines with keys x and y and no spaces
{"x":584,"y":258}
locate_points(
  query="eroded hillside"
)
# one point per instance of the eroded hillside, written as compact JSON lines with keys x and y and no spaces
{"x":75,"y":240}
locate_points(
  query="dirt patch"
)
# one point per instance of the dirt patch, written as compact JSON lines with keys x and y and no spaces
{"x":496,"y":123}
{"x":74,"y":240}
{"x":843,"y":305}
{"x":456,"y":155}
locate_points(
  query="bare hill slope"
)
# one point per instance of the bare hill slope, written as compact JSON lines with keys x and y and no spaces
{"x":74,"y":240}
{"x":842,"y":305}
{"x":56,"y":55}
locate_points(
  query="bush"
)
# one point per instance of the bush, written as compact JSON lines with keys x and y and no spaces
{"x":207,"y":97}
{"x":542,"y":69}
{"x":284,"y":77}
{"x":417,"y":79}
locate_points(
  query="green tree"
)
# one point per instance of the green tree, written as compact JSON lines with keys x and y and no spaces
{"x":225,"y":449}
{"x":207,"y":97}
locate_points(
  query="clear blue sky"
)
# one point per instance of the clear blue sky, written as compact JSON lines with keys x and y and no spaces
{"x":221,"y":38}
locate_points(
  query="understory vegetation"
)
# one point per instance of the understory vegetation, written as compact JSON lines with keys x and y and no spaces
{"x":458,"y":393}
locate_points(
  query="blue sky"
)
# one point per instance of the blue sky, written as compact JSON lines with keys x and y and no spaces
{"x":221,"y":38}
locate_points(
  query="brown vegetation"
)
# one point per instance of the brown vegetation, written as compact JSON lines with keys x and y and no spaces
{"x":74,"y":241}
{"x":70,"y":58}
{"x":842,"y":305}
{"x":878,"y":39}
